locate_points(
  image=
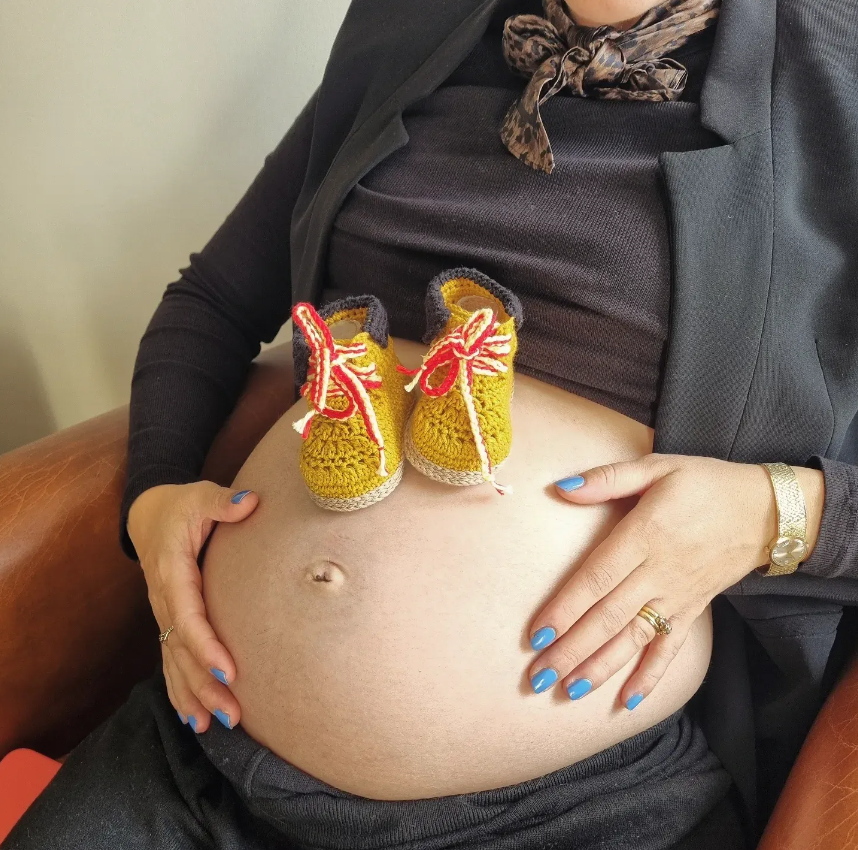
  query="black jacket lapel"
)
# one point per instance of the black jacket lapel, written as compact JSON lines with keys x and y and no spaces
{"x":721,"y":210}
{"x":389,"y":71}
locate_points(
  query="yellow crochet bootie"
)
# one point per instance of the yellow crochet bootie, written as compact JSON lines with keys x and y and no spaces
{"x":351,"y":456}
{"x":461,"y":430}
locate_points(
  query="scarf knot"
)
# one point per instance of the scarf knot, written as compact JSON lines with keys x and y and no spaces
{"x":596,"y":62}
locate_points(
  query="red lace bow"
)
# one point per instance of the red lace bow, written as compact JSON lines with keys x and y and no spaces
{"x":331,"y":374}
{"x":471,"y":349}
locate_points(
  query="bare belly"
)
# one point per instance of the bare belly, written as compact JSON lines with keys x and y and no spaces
{"x":385,"y":651}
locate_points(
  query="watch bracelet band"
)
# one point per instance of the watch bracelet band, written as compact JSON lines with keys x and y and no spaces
{"x":791,"y":510}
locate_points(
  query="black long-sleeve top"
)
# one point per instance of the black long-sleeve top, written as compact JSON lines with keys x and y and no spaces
{"x":195,"y":353}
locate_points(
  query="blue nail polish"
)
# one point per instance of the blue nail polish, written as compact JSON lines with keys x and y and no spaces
{"x":579,"y":688}
{"x":219,"y":674}
{"x":572,"y":483}
{"x":239,"y":496}
{"x":193,"y":721}
{"x":543,"y":679}
{"x":224,"y":718}
{"x":543,"y":637}
{"x":180,"y":716}
{"x":634,"y":701}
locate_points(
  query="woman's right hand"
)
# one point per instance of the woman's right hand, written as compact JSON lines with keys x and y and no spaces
{"x":168,"y":525}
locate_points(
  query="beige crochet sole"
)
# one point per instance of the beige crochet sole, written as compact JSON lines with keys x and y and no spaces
{"x":355,"y":503}
{"x":441,"y":473}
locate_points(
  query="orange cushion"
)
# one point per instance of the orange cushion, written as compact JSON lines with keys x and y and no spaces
{"x":24,"y":774}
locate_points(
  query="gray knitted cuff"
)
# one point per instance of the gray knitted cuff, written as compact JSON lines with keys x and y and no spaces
{"x":437,"y":312}
{"x":375,"y":324}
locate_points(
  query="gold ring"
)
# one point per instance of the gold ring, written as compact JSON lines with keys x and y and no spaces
{"x":660,"y":624}
{"x":164,"y":635}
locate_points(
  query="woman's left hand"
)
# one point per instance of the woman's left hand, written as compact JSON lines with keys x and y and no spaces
{"x":700,"y":525}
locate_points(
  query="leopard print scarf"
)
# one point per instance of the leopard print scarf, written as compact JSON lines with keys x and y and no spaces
{"x":598,"y":62}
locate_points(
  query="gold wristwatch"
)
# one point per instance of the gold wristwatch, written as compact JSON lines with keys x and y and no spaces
{"x":789,"y":548}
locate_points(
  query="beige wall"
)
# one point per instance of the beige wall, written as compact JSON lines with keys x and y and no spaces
{"x":128,"y":130}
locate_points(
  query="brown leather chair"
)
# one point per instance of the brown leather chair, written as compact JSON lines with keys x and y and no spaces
{"x":77,"y":631}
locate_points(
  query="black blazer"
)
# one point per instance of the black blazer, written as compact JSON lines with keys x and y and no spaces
{"x":762,"y":359}
{"x":763,"y":340}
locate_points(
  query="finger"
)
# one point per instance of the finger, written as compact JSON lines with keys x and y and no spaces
{"x":223,"y":504}
{"x":186,"y":611}
{"x":215,"y":697}
{"x":609,"y":659}
{"x":174,"y":700}
{"x":612,"y":561}
{"x":615,"y":480}
{"x":205,"y":505}
{"x":158,"y":609}
{"x":601,"y":624}
{"x":655,"y":662}
{"x":182,"y":697}
{"x":171,"y":695}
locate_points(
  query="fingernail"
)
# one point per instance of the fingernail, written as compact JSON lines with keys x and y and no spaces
{"x":572,"y":483}
{"x":543,"y":637}
{"x":543,"y":679}
{"x":224,"y":718}
{"x":239,"y":496}
{"x":634,"y":701}
{"x":180,"y":716}
{"x":579,"y":688}
{"x":193,"y":722}
{"x":219,"y":674}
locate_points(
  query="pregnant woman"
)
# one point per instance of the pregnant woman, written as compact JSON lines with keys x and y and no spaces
{"x":453,"y":667}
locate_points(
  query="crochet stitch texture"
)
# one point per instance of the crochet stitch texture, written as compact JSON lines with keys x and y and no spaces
{"x":467,"y":381}
{"x":352,"y":454}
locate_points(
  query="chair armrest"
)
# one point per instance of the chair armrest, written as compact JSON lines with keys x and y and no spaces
{"x":76,"y":628}
{"x":818,"y":807}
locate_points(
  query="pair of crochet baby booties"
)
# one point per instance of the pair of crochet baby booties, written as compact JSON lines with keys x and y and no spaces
{"x":364,"y":418}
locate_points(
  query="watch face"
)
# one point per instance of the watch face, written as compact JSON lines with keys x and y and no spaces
{"x":788,"y":551}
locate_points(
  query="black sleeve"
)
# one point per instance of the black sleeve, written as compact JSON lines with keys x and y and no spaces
{"x":835,"y":554}
{"x":194,"y":356}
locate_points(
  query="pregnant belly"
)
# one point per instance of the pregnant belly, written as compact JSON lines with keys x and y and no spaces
{"x":385,"y":651}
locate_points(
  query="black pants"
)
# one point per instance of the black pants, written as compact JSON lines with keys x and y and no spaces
{"x":143,"y":780}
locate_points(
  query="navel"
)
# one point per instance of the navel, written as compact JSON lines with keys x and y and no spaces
{"x":326,"y":573}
